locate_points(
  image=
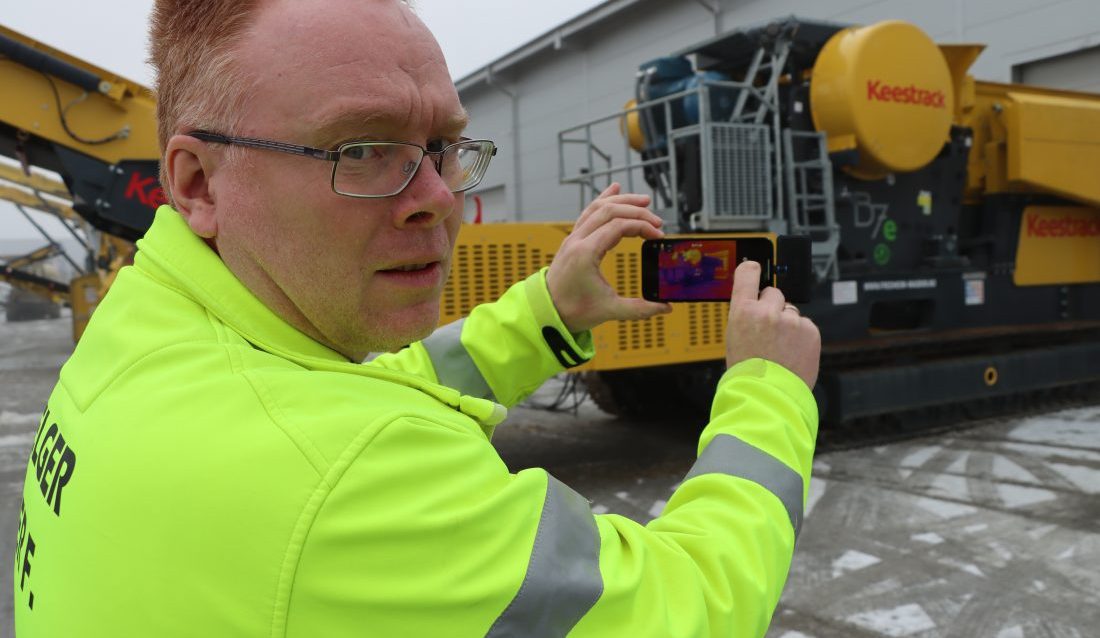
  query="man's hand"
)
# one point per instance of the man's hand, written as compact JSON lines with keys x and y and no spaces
{"x":768,"y":327}
{"x":582,"y":296}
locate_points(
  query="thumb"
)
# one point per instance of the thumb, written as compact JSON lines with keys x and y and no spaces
{"x":626,"y":309}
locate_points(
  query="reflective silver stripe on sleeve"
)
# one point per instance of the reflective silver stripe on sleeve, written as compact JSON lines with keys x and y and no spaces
{"x":730,"y":455}
{"x":563,"y":578}
{"x":453,"y":366}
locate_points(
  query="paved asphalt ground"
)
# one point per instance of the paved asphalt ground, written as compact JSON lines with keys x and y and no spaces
{"x":992,"y":531}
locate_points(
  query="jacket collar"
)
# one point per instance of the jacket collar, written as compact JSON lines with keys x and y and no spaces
{"x":171,"y":253}
{"x":178,"y":257}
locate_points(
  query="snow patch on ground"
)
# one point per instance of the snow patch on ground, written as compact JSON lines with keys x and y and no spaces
{"x":1001,"y":551}
{"x":876,"y":589}
{"x":1019,"y":496}
{"x":1045,"y":451}
{"x":16,"y":440}
{"x":920,"y":456}
{"x":905,"y":620}
{"x":931,"y":538}
{"x":944,"y":509}
{"x":795,"y":634}
{"x":1086,"y":478}
{"x":1079,"y":414}
{"x":1008,"y":470}
{"x":817,"y":490}
{"x":1056,"y":430}
{"x":958,"y":466}
{"x":851,"y":561}
{"x":18,"y":419}
{"x":969,"y":568}
{"x":951,"y":486}
{"x":1041,"y":531}
{"x":1015,"y":631}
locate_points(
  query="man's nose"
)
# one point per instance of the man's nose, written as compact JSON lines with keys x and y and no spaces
{"x":427,"y":200}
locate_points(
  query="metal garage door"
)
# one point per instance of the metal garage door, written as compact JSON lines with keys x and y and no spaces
{"x":1078,"y":71}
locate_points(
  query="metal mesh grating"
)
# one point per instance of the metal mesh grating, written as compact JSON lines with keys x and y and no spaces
{"x":707,"y":323}
{"x":635,"y":335}
{"x":741,"y":172}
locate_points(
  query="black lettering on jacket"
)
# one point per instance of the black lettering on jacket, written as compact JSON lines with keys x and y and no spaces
{"x":24,"y":551}
{"x":54,"y":461}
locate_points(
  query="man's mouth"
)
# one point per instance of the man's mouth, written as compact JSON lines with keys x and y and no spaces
{"x":411,"y":267}
{"x":420,"y":274}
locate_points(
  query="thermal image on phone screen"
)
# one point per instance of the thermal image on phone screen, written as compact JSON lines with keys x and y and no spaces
{"x":696,"y":269}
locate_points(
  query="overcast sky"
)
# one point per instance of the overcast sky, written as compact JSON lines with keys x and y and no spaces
{"x":471,"y":32}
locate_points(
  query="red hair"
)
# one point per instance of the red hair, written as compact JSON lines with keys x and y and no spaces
{"x":192,"y":45}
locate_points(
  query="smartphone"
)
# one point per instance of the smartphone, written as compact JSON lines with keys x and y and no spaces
{"x":701,"y":268}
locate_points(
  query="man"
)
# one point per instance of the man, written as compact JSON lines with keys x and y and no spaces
{"x":215,"y":461}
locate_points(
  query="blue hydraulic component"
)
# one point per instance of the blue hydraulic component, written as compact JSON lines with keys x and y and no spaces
{"x":667,"y":76}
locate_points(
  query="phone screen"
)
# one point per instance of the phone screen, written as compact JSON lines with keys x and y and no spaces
{"x":698,"y":269}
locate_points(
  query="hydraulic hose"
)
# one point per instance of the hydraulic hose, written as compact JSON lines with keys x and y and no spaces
{"x":48,"y":64}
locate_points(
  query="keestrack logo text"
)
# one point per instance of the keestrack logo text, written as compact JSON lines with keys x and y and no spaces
{"x":912,"y":94}
{"x":1065,"y":226}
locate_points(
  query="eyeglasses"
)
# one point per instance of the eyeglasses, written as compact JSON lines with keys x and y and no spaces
{"x":372,"y":170}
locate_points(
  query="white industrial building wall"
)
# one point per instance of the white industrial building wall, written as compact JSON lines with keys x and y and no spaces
{"x":554,"y":83}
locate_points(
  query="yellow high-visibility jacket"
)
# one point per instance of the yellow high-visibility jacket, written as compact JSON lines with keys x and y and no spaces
{"x":204,"y":469}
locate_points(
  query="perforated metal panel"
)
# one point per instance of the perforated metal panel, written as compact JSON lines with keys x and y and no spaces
{"x":707,"y":324}
{"x":740,"y":171}
{"x":635,"y":335}
{"x":487,"y":270}
{"x":489,"y":259}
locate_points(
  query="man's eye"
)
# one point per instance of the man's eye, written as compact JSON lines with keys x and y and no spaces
{"x":369,"y":153}
{"x":436,"y":145}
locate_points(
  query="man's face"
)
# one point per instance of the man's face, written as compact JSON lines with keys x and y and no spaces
{"x":331,"y":71}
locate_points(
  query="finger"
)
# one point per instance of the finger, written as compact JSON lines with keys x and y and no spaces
{"x":773,"y":298}
{"x":612,"y":189}
{"x":791,"y":308}
{"x":608,"y":236}
{"x":611,"y":205}
{"x":746,"y":283}
{"x":632,"y":199}
{"x":628,"y":309}
{"x":616,"y":196}
{"x":608,"y":212}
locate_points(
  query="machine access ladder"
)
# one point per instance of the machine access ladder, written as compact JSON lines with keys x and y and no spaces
{"x":810,"y":194}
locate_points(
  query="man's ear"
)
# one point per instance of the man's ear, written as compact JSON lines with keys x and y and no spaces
{"x":190,"y":164}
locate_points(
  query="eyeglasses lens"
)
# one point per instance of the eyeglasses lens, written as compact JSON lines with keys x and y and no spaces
{"x":381,"y":169}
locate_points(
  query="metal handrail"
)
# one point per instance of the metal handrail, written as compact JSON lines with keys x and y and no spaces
{"x":616,"y":169}
{"x":661,"y":101}
{"x":764,"y":106}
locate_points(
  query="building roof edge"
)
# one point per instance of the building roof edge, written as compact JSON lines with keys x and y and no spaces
{"x":554,"y":38}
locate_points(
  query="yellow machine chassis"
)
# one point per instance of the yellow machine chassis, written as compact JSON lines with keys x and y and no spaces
{"x":489,"y":258}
